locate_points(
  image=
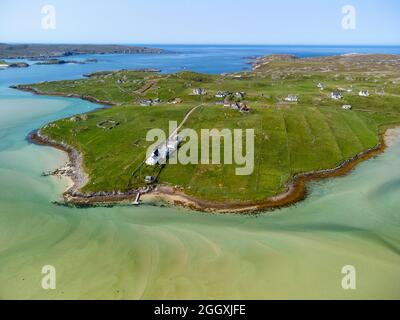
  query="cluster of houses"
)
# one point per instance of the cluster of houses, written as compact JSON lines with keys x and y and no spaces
{"x":242,"y":107}
{"x":337,"y":94}
{"x":150,"y":102}
{"x":163,"y":152}
{"x":227,"y":103}
{"x":239,"y":106}
{"x":220,"y":94}
{"x":225,"y":94}
{"x":123,"y":80}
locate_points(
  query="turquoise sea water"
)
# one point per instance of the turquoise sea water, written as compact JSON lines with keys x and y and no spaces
{"x":152,"y":252}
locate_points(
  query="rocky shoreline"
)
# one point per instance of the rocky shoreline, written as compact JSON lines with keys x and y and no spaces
{"x":296,"y":189}
{"x":75,"y":171}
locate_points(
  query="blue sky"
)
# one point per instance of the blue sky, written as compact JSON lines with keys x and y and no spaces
{"x":201,"y":22}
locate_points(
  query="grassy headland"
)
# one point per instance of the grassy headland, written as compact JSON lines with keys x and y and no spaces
{"x":313,"y":134}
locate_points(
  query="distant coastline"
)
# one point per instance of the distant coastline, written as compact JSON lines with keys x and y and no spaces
{"x":51,"y":51}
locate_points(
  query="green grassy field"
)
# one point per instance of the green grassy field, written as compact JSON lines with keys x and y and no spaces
{"x":291,"y":138}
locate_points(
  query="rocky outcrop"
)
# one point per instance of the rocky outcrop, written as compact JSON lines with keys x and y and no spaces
{"x":18,"y":65}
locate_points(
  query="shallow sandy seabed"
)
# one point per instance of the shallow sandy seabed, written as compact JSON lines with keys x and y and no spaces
{"x":153,"y":252}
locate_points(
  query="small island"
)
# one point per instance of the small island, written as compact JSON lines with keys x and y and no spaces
{"x":18,"y":65}
{"x":313,"y":118}
{"x":4,"y":65}
{"x":50,"y":62}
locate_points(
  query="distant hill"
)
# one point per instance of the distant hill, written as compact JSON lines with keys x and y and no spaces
{"x":32,"y":51}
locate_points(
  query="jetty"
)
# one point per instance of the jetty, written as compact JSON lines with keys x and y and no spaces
{"x":137,"y":200}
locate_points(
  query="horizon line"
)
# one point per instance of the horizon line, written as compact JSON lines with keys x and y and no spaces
{"x":206,"y":44}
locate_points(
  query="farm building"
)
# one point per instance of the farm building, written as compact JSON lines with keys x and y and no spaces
{"x":222,"y":94}
{"x":149,"y":179}
{"x":146,"y":103}
{"x":164,"y":151}
{"x":292,"y":98}
{"x":244,"y":108}
{"x":336,"y":95}
{"x":199,"y":91}
{"x":240,"y":95}
{"x":175,"y":101}
{"x":363,"y":93}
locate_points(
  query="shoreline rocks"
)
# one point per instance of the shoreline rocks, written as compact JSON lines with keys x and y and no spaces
{"x":296,"y":189}
{"x":18,"y":65}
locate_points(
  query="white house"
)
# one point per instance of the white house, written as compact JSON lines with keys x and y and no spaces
{"x":347,"y":107}
{"x":363,"y":93}
{"x":292,"y":98}
{"x":150,"y":179}
{"x":199,"y":92}
{"x":336,"y":95}
{"x":221,"y":94}
{"x":146,"y":103}
{"x":240,"y":95}
{"x":164,"y":151}
{"x":155,"y":158}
